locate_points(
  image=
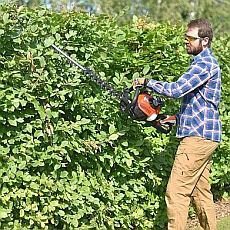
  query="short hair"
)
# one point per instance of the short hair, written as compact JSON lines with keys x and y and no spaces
{"x":204,"y":28}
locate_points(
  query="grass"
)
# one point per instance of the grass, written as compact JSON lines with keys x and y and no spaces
{"x":222,"y":224}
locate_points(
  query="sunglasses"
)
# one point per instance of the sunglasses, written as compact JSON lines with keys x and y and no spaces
{"x":190,"y":38}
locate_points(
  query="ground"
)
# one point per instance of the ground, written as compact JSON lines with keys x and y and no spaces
{"x":222,"y":210}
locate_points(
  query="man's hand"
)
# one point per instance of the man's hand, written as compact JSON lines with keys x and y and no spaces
{"x":168,"y":120}
{"x":139,"y":82}
{"x":163,"y":123}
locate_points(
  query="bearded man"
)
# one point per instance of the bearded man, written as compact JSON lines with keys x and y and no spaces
{"x":198,"y":128}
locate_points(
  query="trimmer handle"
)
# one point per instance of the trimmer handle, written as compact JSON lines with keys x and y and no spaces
{"x":162,"y":128}
{"x":125,"y":101}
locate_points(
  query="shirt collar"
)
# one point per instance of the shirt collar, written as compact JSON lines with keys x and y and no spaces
{"x":203,"y":53}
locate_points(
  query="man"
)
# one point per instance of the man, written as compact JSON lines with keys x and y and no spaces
{"x":198,"y":127}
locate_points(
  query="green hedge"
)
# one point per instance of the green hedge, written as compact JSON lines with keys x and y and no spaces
{"x":69,"y":159}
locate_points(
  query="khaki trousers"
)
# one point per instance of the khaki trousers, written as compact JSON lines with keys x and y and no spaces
{"x":190,"y":179}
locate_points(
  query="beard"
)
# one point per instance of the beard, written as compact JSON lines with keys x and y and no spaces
{"x":194,"y":50}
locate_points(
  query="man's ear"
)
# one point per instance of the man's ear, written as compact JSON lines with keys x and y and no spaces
{"x":205,"y":41}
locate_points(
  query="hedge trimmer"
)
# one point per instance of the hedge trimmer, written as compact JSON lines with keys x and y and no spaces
{"x":141,"y":106}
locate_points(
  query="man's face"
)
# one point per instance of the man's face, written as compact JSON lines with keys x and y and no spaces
{"x":193,"y":42}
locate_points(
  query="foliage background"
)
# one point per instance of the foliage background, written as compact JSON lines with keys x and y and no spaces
{"x":69,"y":159}
{"x":180,"y":11}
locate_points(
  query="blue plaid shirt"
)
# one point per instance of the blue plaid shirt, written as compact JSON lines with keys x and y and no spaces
{"x":200,"y":90}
